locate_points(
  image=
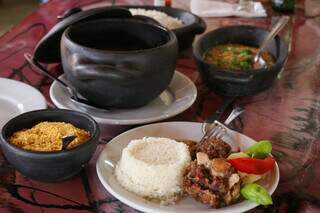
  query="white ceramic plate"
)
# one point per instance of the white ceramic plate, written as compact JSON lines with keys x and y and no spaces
{"x":16,"y":98}
{"x":177,"y":130}
{"x":179,"y":96}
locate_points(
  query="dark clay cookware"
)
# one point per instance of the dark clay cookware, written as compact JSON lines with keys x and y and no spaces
{"x":119,"y":77}
{"x":48,"y":48}
{"x":50,"y":166}
{"x":122,"y":63}
{"x":231,"y":84}
{"x":193,"y":24}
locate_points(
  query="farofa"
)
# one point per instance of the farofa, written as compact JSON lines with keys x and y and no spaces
{"x":47,"y":136}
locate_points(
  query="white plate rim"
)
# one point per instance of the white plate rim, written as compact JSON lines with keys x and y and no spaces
{"x":249,"y":205}
{"x":135,"y":121}
{"x":38,"y":100}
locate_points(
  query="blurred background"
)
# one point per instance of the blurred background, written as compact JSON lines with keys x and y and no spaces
{"x":12,"y":11}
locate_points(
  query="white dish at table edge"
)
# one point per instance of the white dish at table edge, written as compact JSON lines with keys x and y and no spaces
{"x":17,"y":97}
{"x":176,"y":130}
{"x":183,"y":91}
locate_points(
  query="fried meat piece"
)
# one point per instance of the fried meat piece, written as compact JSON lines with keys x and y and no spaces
{"x":213,"y":182}
{"x":213,"y":147}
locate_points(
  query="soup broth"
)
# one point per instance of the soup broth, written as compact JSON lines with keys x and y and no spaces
{"x":236,"y":57}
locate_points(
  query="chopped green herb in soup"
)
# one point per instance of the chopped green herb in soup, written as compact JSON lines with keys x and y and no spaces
{"x":235,"y":56}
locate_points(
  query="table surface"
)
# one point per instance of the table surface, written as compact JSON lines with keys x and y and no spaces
{"x":288,"y":114}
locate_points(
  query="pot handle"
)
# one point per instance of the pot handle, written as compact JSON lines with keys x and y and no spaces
{"x":106,"y":71}
{"x":236,"y":79}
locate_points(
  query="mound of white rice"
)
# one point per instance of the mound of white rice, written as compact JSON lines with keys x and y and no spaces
{"x":153,"y":168}
{"x":165,"y":20}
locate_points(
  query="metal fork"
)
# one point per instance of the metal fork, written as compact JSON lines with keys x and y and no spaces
{"x":217,"y":130}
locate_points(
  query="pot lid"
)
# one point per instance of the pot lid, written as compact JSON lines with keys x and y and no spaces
{"x":48,"y":48}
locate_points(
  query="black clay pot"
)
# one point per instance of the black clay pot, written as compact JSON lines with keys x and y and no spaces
{"x":120,"y":63}
{"x":233,"y":83}
{"x":50,"y":166}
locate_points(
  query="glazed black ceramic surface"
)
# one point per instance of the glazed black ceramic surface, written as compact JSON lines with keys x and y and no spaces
{"x":50,"y":166}
{"x":48,"y":48}
{"x":119,"y":63}
{"x":193,"y":24}
{"x":233,"y":83}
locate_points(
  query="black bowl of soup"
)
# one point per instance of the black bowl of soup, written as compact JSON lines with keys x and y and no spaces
{"x":120,"y":63}
{"x":224,"y":58}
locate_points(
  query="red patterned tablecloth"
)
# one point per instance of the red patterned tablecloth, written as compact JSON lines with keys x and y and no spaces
{"x":288,"y":114}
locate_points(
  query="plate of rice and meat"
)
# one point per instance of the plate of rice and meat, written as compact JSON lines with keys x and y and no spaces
{"x":162,"y":168}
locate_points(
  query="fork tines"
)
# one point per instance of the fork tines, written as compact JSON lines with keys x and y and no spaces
{"x":217,"y":131}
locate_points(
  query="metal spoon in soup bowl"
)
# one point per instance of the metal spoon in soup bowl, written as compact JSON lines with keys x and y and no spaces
{"x":258,"y":61}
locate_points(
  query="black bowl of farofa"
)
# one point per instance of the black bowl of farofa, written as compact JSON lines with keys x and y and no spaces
{"x":52,"y":166}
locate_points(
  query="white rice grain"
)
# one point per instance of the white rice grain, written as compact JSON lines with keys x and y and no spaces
{"x":165,"y":20}
{"x":153,"y":167}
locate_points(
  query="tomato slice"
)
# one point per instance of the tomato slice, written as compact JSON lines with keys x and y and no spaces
{"x":253,"y":165}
